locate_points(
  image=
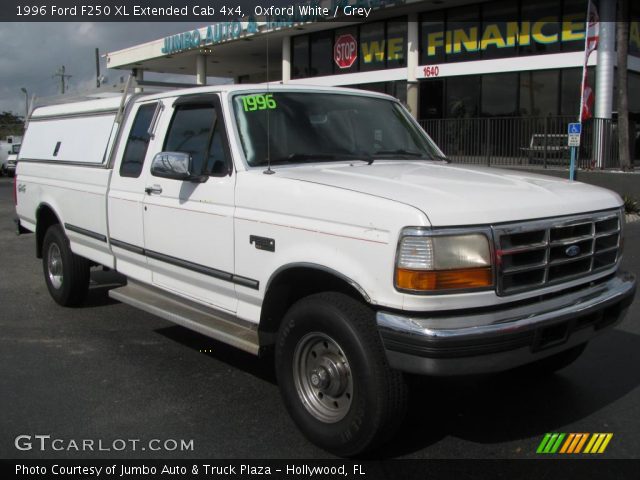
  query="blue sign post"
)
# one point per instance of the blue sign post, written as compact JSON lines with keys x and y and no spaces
{"x":573,"y":139}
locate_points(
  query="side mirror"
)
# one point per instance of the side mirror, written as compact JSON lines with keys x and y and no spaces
{"x":176,"y":166}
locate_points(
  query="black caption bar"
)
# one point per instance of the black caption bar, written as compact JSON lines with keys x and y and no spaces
{"x":278,"y":11}
{"x":323,"y":470}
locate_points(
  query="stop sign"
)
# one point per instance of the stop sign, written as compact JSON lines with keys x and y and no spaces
{"x":345,"y":51}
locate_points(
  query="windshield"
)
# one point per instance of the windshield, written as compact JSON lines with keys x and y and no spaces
{"x":295,"y":127}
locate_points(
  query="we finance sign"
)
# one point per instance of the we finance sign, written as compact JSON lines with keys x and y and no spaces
{"x":472,"y":38}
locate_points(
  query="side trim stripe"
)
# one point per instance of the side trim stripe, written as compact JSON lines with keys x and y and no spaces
{"x":68,"y":163}
{"x":87,"y":233}
{"x":212,"y":272}
{"x":195,"y":267}
{"x":126,"y":246}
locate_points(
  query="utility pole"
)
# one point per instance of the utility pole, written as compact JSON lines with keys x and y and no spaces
{"x":26,"y":103}
{"x":97,"y":68}
{"x":60,"y":73}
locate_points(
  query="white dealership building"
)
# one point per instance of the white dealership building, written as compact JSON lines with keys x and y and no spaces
{"x":445,"y":59}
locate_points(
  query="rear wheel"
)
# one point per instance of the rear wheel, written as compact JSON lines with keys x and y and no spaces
{"x":334,"y":377}
{"x":66,"y":274}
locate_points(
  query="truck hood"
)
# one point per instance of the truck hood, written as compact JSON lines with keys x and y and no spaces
{"x":460,"y":194}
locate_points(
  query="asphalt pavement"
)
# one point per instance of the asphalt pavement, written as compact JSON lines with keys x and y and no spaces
{"x":106,"y":372}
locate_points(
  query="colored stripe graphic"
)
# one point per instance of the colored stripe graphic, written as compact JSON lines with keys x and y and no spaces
{"x":598,"y":442}
{"x":573,"y":443}
{"x":550,"y":443}
{"x":581,"y":442}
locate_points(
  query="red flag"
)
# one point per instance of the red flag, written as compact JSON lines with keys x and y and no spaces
{"x":588,"y":98}
{"x":593,"y":30}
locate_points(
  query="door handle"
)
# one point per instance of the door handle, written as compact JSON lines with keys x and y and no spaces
{"x":153,"y":189}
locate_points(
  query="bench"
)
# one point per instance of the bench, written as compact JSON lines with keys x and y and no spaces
{"x":555,"y":145}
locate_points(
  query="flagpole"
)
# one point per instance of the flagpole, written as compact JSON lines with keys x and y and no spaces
{"x":574,"y":150}
{"x":586,"y":60}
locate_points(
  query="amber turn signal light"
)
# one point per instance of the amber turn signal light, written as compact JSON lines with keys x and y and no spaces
{"x":436,"y":280}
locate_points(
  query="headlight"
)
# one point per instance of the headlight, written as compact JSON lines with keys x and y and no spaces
{"x":430,"y":262}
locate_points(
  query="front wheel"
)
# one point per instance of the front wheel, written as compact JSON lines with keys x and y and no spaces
{"x":66,"y":274}
{"x":334,"y":377}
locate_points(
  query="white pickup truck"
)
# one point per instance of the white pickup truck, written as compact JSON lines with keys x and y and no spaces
{"x":322,"y":224}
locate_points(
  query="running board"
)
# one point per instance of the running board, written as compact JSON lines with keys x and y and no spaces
{"x":219,"y":325}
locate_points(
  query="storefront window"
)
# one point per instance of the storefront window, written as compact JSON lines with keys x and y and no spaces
{"x":634,"y":99}
{"x":539,"y":93}
{"x":499,"y":94}
{"x":431,"y":96}
{"x":573,"y":15}
{"x":300,"y":54}
{"x":634,"y":30}
{"x":570,"y":82}
{"x":462,"y":37}
{"x":432,"y":38}
{"x":396,"y":45}
{"x":499,"y":29}
{"x":505,"y":28}
{"x":541,"y":32}
{"x":398,"y":89}
{"x":463,"y":96}
{"x":372,"y":47}
{"x":321,"y":54}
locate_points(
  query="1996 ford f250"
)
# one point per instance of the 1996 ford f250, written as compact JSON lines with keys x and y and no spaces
{"x":325,"y":225}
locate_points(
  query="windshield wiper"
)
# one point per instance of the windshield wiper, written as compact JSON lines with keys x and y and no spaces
{"x":313,"y":157}
{"x":400,"y":151}
{"x":435,"y":156}
{"x":406,"y":153}
{"x":397,"y":152}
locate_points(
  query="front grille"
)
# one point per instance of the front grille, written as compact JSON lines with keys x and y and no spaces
{"x":541,"y":253}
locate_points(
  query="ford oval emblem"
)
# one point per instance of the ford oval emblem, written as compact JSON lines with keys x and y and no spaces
{"x":572,"y":251}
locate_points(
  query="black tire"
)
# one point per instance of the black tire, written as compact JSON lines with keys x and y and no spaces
{"x":374,"y":400}
{"x":550,"y":365}
{"x":65,"y":273}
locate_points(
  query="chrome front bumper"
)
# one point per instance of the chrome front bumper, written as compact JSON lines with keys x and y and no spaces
{"x":490,"y":340}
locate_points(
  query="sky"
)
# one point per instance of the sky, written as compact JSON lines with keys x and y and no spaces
{"x":32,"y":53}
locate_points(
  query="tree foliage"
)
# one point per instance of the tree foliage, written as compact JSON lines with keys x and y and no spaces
{"x":10,"y":124}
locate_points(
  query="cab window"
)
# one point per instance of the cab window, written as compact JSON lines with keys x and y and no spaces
{"x":196,"y":130}
{"x":137,"y":142}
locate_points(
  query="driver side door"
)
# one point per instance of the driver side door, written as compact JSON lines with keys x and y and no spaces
{"x":188,"y":225}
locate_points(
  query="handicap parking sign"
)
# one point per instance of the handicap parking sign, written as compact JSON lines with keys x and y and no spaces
{"x":575,"y":128}
{"x":573,"y":137}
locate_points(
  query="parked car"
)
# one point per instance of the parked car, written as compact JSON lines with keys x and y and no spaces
{"x":12,"y":159}
{"x":325,"y":225}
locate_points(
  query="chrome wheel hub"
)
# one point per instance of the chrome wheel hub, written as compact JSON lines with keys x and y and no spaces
{"x":323,"y":377}
{"x":54,"y":266}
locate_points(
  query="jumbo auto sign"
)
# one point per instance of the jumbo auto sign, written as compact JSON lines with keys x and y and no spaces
{"x":345,"y":51}
{"x":256,"y":23}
